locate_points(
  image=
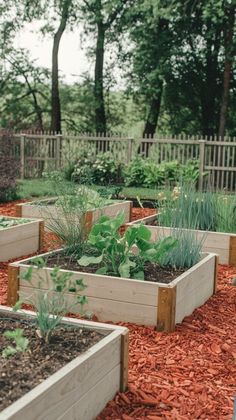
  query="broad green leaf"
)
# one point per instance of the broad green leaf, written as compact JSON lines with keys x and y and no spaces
{"x":102,"y":270}
{"x":86,"y":260}
{"x":124,"y":268}
{"x":143,"y":233}
{"x":139,"y":275}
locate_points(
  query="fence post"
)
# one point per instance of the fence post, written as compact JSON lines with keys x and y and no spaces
{"x":130,"y":149}
{"x":22,"y":157}
{"x":58,"y":151}
{"x":201,"y":163}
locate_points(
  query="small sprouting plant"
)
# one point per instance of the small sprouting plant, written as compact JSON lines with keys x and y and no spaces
{"x":114,"y":252}
{"x":21,"y":342}
{"x":51,"y":303}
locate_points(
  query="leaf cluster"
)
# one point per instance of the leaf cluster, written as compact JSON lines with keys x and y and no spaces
{"x":115,"y":255}
{"x":21,"y":342}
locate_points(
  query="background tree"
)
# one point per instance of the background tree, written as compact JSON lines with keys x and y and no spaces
{"x":105,"y":17}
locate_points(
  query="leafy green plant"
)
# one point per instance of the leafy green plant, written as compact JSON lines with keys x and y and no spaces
{"x":21,"y":342}
{"x":154,"y":175}
{"x":148,"y":173}
{"x":134,"y":173}
{"x":114,"y":252}
{"x":5,"y":222}
{"x":102,"y":169}
{"x":51,"y":303}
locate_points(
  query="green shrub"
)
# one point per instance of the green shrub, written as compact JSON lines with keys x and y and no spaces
{"x":134,"y":173}
{"x":102,"y":169}
{"x":148,"y":173}
{"x":9,"y":168}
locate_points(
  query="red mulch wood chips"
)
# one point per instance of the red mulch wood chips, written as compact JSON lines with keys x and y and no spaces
{"x":186,"y":375}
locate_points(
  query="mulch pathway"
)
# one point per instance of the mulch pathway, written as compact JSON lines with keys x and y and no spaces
{"x":186,"y":375}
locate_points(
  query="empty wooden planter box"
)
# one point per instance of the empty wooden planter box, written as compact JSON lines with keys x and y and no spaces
{"x":222,"y":244}
{"x":81,"y":389}
{"x":21,"y":239}
{"x":121,"y":299}
{"x":34,"y":209}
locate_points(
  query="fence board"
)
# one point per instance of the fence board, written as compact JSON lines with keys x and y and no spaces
{"x":42,"y":151}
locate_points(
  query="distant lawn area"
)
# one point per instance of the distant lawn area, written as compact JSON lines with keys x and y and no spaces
{"x":33,"y":188}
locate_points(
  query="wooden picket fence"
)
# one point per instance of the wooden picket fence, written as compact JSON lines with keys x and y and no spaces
{"x":40,"y":152}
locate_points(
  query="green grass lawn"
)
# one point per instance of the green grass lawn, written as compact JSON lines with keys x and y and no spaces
{"x":33,"y":188}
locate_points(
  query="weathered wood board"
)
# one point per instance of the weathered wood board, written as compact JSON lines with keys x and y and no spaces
{"x":19,"y":240}
{"x":220,"y":243}
{"x":46,"y":212}
{"x":82,"y":388}
{"x":121,"y":299}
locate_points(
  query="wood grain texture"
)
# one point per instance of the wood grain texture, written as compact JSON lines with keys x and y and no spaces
{"x":194,"y":287}
{"x":12,"y":285}
{"x":220,"y":243}
{"x":18,"y":210}
{"x":80,"y":389}
{"x":88,"y":221}
{"x":216,"y":273}
{"x":18,"y":240}
{"x":124,"y":361}
{"x":128,"y":300}
{"x":41,"y":234}
{"x":166,"y":303}
{"x":232,"y":251}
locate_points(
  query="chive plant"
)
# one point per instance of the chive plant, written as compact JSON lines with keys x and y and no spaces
{"x":72,"y":204}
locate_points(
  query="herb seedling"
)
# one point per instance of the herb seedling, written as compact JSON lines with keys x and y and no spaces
{"x":50,"y":302}
{"x":21,"y":342}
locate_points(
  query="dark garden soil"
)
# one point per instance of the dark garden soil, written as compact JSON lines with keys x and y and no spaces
{"x":23,"y":371}
{"x":186,"y":375}
{"x":152,"y":272}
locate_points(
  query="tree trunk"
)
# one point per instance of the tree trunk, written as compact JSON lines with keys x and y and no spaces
{"x":151,"y":123}
{"x":228,"y":35}
{"x":153,"y":114}
{"x":100,"y":115}
{"x":209,"y":85}
{"x":55,"y":94}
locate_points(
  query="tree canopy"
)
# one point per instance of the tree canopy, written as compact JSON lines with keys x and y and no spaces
{"x":176,"y":60}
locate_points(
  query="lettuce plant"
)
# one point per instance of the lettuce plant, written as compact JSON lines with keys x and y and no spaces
{"x":114,"y":252}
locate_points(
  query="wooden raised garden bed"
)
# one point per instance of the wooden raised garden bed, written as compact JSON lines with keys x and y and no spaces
{"x":82,"y":388}
{"x":20,"y":239}
{"x":142,"y":302}
{"x":34,"y":209}
{"x":222,"y":244}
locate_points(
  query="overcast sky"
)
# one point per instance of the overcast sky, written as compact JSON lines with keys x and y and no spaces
{"x":72,"y":58}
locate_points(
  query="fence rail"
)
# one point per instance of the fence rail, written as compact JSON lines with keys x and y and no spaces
{"x":41,"y":152}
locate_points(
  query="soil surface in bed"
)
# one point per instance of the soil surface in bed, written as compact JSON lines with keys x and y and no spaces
{"x":23,"y":371}
{"x":152,"y":272}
